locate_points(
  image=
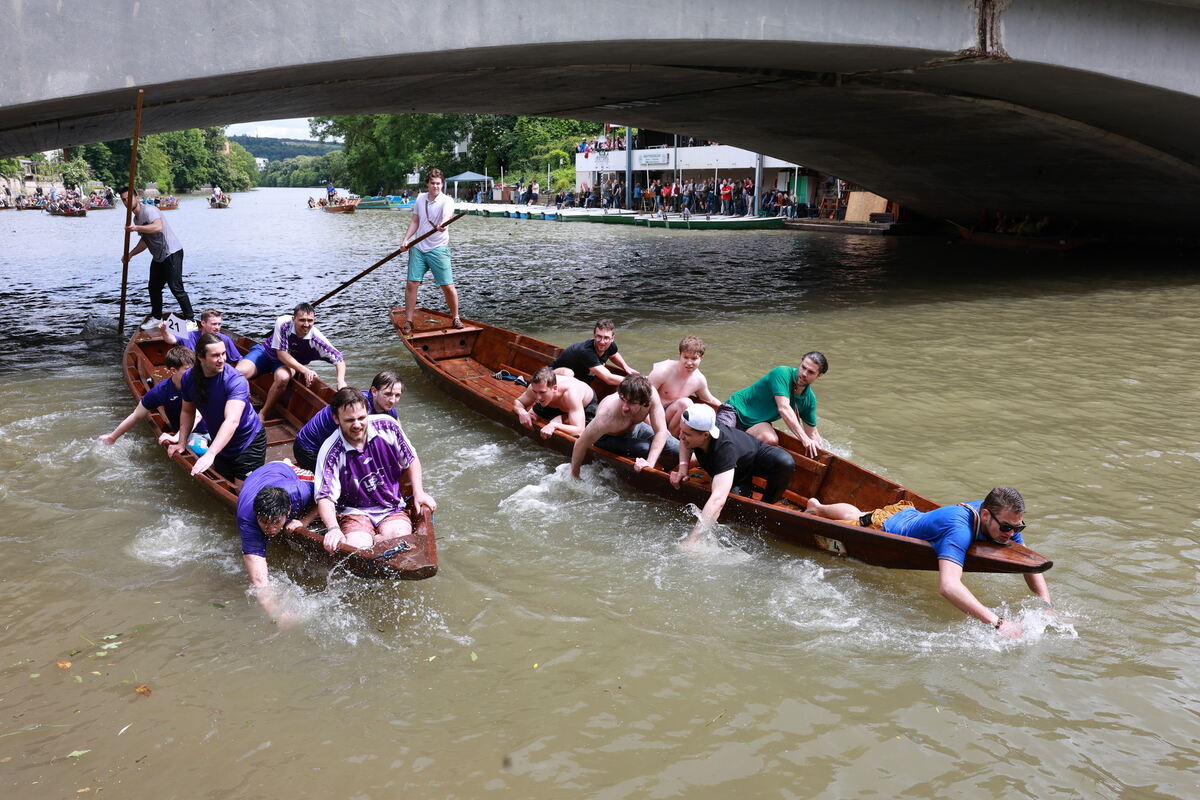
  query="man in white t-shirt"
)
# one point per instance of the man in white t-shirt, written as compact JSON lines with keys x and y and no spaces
{"x":431,"y":212}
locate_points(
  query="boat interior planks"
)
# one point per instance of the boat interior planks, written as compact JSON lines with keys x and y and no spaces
{"x":143,"y":367}
{"x":463,"y":363}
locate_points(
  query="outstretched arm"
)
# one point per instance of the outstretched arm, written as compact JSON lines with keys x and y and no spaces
{"x":619,"y":360}
{"x":721,"y":485}
{"x":420,"y":496}
{"x":951,"y":587}
{"x":579,"y":452}
{"x":141,"y":412}
{"x":807,"y":434}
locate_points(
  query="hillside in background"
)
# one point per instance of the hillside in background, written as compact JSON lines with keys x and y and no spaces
{"x":279,"y":149}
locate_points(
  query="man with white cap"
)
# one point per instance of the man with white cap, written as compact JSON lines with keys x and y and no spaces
{"x":733,"y":458}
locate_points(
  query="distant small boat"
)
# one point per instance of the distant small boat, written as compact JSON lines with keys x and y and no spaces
{"x":1012,"y":241}
{"x":67,"y":212}
{"x":374,"y":204}
{"x":100,"y":206}
{"x":345,"y":207}
{"x":221,"y":202}
{"x":170,"y":205}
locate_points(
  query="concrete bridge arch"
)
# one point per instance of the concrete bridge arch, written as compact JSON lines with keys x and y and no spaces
{"x":1084,"y":109}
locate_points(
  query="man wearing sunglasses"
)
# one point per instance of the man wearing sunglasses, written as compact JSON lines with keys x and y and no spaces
{"x":998,"y":518}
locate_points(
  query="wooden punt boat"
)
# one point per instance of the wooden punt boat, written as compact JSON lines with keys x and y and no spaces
{"x":74,"y":212}
{"x":222,"y":203}
{"x":143,"y":367}
{"x":1012,"y":241}
{"x":100,"y":207}
{"x":462,"y":362}
{"x":171,"y":205}
{"x":347,"y":207}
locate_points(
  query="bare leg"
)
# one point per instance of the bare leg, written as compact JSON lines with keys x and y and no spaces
{"x":247,"y":368}
{"x":410,"y":299}
{"x":764,"y":432}
{"x":675,"y":414}
{"x":282,"y":376}
{"x":393,"y":527}
{"x":844,"y":512}
{"x":451,"y":298}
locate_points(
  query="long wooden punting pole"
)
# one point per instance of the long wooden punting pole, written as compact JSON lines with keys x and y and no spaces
{"x":386,"y":259}
{"x":137,"y":130}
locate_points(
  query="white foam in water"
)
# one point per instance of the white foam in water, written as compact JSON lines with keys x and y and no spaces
{"x":557,"y":495}
{"x":174,"y":541}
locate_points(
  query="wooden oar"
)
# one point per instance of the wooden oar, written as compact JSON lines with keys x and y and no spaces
{"x":386,"y":259}
{"x":137,"y":128}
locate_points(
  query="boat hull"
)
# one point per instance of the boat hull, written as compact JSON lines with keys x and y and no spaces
{"x":142,"y":366}
{"x":462,"y":362}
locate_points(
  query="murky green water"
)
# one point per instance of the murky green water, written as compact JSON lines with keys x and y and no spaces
{"x":567,"y":648}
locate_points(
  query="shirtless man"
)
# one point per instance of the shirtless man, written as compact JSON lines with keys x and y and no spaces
{"x":552,"y":396}
{"x":585,"y":360}
{"x":630,"y":423}
{"x":677,"y":381}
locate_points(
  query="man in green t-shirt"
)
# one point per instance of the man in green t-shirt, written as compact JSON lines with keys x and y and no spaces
{"x":784,"y":392}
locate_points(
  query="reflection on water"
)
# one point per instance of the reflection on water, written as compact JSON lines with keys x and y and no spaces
{"x":569,"y":647}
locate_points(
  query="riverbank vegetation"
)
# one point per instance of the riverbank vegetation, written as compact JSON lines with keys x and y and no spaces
{"x":175,"y":162}
{"x":381,"y":151}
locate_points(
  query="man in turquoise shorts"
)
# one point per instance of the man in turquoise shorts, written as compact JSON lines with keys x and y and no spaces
{"x":431,"y":212}
{"x":783,"y":393}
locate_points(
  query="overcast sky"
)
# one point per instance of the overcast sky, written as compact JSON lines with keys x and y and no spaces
{"x":272,"y":128}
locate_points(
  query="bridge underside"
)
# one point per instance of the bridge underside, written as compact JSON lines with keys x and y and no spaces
{"x":948,"y":137}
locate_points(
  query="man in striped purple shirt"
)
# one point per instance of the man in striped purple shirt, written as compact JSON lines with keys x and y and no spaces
{"x":293,"y":345}
{"x":360,"y":473}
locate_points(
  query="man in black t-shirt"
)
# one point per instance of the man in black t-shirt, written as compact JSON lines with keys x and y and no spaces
{"x":585,"y":360}
{"x":733,"y":458}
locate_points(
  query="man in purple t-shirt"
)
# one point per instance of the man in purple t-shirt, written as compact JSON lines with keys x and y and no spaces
{"x":210,"y":322}
{"x":293,"y":345}
{"x":165,"y":395}
{"x":222,"y":395}
{"x":359,"y":477}
{"x":381,"y":399}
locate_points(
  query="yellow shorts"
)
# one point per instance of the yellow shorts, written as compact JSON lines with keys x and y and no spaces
{"x":876,"y":518}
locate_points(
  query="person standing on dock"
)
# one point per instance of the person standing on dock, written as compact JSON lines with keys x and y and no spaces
{"x":999,"y":518}
{"x":431,"y":212}
{"x":166,"y":256}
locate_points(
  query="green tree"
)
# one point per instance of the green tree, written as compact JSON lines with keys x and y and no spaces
{"x":76,"y":172}
{"x":154,"y":165}
{"x":188,"y":158}
{"x":246,"y":161}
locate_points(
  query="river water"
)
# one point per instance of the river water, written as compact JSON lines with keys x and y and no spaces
{"x":568,"y":648}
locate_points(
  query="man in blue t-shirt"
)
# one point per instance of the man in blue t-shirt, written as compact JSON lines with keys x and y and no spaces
{"x":275,"y":497}
{"x":999,"y":518}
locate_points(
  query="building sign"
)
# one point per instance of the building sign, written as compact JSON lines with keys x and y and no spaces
{"x":654,"y":159}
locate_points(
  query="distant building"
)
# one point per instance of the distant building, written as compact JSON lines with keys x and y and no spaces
{"x":261,"y":162}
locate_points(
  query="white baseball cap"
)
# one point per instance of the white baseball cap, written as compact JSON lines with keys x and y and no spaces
{"x":700,"y":417}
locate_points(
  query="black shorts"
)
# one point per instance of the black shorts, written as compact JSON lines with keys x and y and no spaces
{"x":305,"y":458}
{"x":236,"y":467}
